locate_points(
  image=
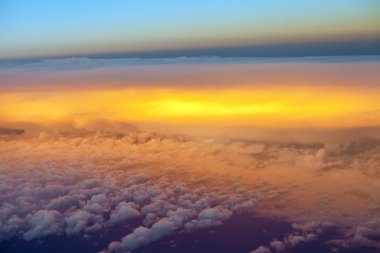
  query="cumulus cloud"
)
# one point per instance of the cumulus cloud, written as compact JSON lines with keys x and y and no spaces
{"x":162,"y":228}
{"x":174,"y":217}
{"x":209,"y":217}
{"x":77,"y":222}
{"x":124,"y":211}
{"x":261,"y":249}
{"x":43,"y":223}
{"x":365,"y":235}
{"x":79,"y":185}
{"x":77,"y":193}
{"x":305,"y":233}
{"x":141,"y":236}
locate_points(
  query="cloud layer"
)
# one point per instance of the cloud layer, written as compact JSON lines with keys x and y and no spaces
{"x":78,"y":186}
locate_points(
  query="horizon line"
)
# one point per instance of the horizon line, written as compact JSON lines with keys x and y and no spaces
{"x":367,"y":47}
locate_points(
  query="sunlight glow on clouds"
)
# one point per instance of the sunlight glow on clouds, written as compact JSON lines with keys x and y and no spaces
{"x":195,"y":91}
{"x":226,"y":107}
{"x":83,"y":185}
{"x":113,"y":158}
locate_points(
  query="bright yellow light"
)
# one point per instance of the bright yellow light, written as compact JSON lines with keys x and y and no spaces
{"x":275,"y":107}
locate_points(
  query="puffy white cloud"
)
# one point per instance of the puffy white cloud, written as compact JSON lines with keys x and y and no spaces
{"x":245,"y":206}
{"x":162,"y":228}
{"x":124,"y":211}
{"x":11,"y":227}
{"x":261,"y":249}
{"x":366,"y":235}
{"x":306,"y":232}
{"x":181,"y":215}
{"x":201,"y":224}
{"x":141,"y":236}
{"x":293,"y":240}
{"x":277,"y":245}
{"x":99,"y":198}
{"x":208,"y":218}
{"x":79,"y":185}
{"x":78,"y":221}
{"x":215,"y":213}
{"x":43,"y":223}
{"x":63,"y":202}
{"x":159,"y":207}
{"x":93,"y":228}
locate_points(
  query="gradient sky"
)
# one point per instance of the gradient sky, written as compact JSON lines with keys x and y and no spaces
{"x":292,"y":93}
{"x":60,"y":28}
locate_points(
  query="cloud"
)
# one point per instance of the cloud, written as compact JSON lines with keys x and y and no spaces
{"x":124,"y":211}
{"x":79,"y":186}
{"x":208,"y":218}
{"x":305,"y":233}
{"x":141,"y":236}
{"x":261,"y":249}
{"x":277,"y":245}
{"x":43,"y":223}
{"x":88,"y":63}
{"x":162,"y":228}
{"x":76,"y":193}
{"x":77,"y":221}
{"x":365,"y":235}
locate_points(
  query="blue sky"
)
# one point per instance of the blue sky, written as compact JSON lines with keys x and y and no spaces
{"x":48,"y":28}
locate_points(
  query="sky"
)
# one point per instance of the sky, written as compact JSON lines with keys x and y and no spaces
{"x":269,"y":64}
{"x":270,"y":110}
{"x":44,"y":28}
{"x":332,"y":92}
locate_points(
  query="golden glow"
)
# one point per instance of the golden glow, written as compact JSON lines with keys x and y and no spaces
{"x":261,"y":107}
